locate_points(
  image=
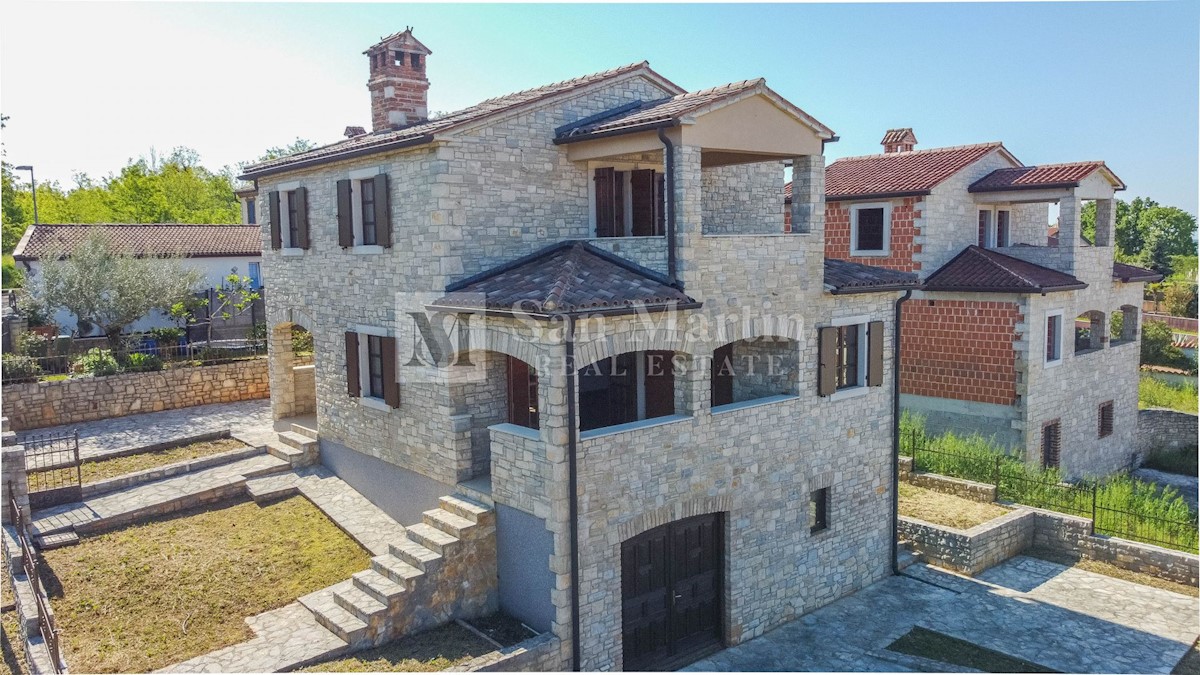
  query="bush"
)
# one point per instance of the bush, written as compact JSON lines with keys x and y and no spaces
{"x":33,"y":344}
{"x":1158,"y":350}
{"x":97,"y":362}
{"x":13,"y":276}
{"x":1155,"y":393}
{"x":302,"y":341}
{"x":167,"y":337}
{"x":143,"y":363}
{"x":20,"y":368}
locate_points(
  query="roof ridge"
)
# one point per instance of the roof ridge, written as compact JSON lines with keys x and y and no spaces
{"x":923,"y":151}
{"x":562,"y":282}
{"x":988,"y":255}
{"x":611,"y":72}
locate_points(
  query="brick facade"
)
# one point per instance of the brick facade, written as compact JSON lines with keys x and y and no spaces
{"x":906,"y":213}
{"x":962,"y":349}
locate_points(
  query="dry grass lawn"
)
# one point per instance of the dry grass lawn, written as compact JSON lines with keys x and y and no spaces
{"x":433,"y":650}
{"x":157,"y":593}
{"x":119,"y":466}
{"x":11,"y":646}
{"x":940,"y":508}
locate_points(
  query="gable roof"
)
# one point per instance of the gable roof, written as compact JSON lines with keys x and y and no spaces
{"x":900,"y":174}
{"x":843,"y":277}
{"x":567,"y":278}
{"x":981,"y":270}
{"x":1126,"y":273}
{"x":903,"y":135}
{"x":641,"y":116}
{"x":1043,"y":176}
{"x":424,"y":132}
{"x":405,"y":37}
{"x":190,"y":241}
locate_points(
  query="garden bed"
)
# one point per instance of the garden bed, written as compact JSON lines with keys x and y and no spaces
{"x":158,"y":593}
{"x":119,"y":466}
{"x":945,"y":509}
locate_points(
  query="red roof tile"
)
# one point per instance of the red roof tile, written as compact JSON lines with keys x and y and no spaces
{"x":899,"y":173}
{"x":192,"y":241}
{"x":981,"y":270}
{"x":1043,"y":176}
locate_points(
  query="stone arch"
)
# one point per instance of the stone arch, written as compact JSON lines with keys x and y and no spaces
{"x":293,"y":383}
{"x":1123,"y":325}
{"x":676,"y":510}
{"x":1093,"y":335}
{"x":754,"y":367}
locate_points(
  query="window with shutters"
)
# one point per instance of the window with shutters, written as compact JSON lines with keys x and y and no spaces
{"x":364,"y":218}
{"x":818,"y":510}
{"x":870,"y":229}
{"x":628,"y":388}
{"x":851,"y":357}
{"x":1051,"y":444}
{"x":366,"y":230}
{"x":627,"y":201}
{"x":375,"y":366}
{"x":1105,"y":419}
{"x":1054,"y":337}
{"x":371,"y":360}
{"x":288,"y":211}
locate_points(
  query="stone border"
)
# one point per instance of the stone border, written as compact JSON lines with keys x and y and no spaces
{"x":540,"y":653}
{"x":960,"y":487}
{"x":37,"y":653}
{"x":166,"y":471}
{"x":970,"y":551}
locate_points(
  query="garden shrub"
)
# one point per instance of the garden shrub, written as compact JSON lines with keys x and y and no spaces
{"x":20,"y":368}
{"x":144,"y":363}
{"x":97,"y":362}
{"x":302,"y":341}
{"x":33,"y":344}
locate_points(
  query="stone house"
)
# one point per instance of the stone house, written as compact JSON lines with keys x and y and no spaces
{"x":575,"y":305}
{"x":1028,"y":338}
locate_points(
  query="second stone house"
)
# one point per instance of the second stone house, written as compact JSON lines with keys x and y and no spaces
{"x":575,"y":306}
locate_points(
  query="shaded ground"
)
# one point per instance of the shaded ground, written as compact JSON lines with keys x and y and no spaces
{"x":1110,"y":570}
{"x":437,"y":649}
{"x":1182,"y":461}
{"x":949,"y":510}
{"x":928,"y":644}
{"x":1190,"y":663}
{"x":10,"y":645}
{"x":1188,"y":486}
{"x":154,"y":594}
{"x":119,"y":466}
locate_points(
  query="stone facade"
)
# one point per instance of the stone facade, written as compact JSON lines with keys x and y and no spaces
{"x":974,"y":550}
{"x":33,"y":405}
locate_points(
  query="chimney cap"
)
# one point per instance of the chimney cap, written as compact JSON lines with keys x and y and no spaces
{"x":899,"y":140}
{"x":403,"y":40}
{"x":351,"y":132}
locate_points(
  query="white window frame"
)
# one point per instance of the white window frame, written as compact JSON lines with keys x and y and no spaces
{"x":863,"y":322}
{"x":1051,"y":363}
{"x":992,"y":233}
{"x":364,"y":367}
{"x":356,"y":219}
{"x":887,"y":230}
{"x":627,"y":227}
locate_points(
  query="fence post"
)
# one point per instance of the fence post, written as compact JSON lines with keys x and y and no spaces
{"x":1093,"y":509}
{"x":996,"y":475}
{"x":15,"y":479}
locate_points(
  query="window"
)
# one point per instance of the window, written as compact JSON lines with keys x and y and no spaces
{"x":363,"y":213}
{"x":1003,"y":228}
{"x":399,"y":58}
{"x":251,"y":215}
{"x":1054,"y":337}
{"x":375,"y":366}
{"x":849,"y":374}
{"x":522,"y":394}
{"x":255,"y":274}
{"x":1051,"y":443}
{"x":994,"y":227}
{"x":371,"y":368}
{"x":627,"y":202}
{"x":818,"y":510}
{"x":870,"y":229}
{"x":1105,"y":419}
{"x":288,"y":212}
{"x":850,"y":357}
{"x":414,"y":60}
{"x":293,"y":222}
{"x":626,"y":388}
{"x":366,"y":191}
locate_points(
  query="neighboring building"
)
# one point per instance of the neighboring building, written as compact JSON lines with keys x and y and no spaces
{"x":711,"y":504}
{"x":216,"y":250}
{"x":1013,"y":332}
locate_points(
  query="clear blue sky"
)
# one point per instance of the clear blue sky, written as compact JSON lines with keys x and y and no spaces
{"x":90,"y":85}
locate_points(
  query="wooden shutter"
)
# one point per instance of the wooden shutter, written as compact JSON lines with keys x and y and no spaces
{"x":827,"y":339}
{"x":660,"y":384}
{"x":345,"y":214}
{"x":276,"y":233}
{"x":1106,"y":419}
{"x":353,"y":387}
{"x":1051,"y":445}
{"x":722,"y":383}
{"x":605,"y":180}
{"x":660,"y":206}
{"x":383,"y":213}
{"x":302,"y":217}
{"x":641,"y":184}
{"x":518,"y":392}
{"x":875,"y":354}
{"x":391,"y":383}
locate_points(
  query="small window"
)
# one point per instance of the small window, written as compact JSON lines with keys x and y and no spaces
{"x":1003,"y":227}
{"x":1054,"y":337}
{"x":849,"y":356}
{"x":399,"y":58}
{"x":414,"y":60}
{"x":1051,"y":443}
{"x":818,"y":510}
{"x":869,"y":229}
{"x":366,"y":190}
{"x":375,"y":366}
{"x":251,"y":215}
{"x":985,"y":228}
{"x":293,"y":225}
{"x":1106,"y":419}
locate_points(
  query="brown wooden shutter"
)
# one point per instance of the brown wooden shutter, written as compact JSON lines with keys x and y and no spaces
{"x":518,"y":392}
{"x":605,"y":192}
{"x":618,"y":226}
{"x":302,"y":217}
{"x":383,"y":212}
{"x":827,"y":339}
{"x":660,"y":384}
{"x":345,"y":214}
{"x":722,"y":382}
{"x":391,"y":383}
{"x":660,"y":206}
{"x":641,"y":183}
{"x":875,"y":354}
{"x":353,"y":387}
{"x":273,"y":208}
{"x":1051,"y":445}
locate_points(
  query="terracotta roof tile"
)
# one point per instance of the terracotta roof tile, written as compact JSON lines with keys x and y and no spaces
{"x":912,"y":172}
{"x":981,"y":270}
{"x":902,"y":135}
{"x":1127,"y":273}
{"x":192,"y":241}
{"x":566,"y":278}
{"x":844,"y":277}
{"x":1043,"y":176}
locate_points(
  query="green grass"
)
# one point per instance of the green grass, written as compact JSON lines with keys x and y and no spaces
{"x":437,"y":649}
{"x":939,"y":647}
{"x":1154,"y":393}
{"x":1182,"y":461}
{"x":119,"y":466}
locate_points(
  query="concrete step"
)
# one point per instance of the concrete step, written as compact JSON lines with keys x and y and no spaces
{"x":285,"y":452}
{"x":450,"y":523}
{"x":478,"y":490}
{"x":59,"y":540}
{"x":464,"y":507}
{"x":298,"y":441}
{"x":396,"y":569}
{"x":303,"y":430}
{"x":271,"y":487}
{"x":432,"y":538}
{"x":358,"y":602}
{"x":378,"y":585}
{"x":416,"y":555}
{"x":269,"y":468}
{"x":335,"y":618}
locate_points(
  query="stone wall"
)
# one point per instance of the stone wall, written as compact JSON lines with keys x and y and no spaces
{"x":743,"y":199}
{"x":33,"y":405}
{"x":539,"y":654}
{"x":304,"y":384}
{"x":974,"y":550}
{"x":12,"y":476}
{"x":1163,"y":429}
{"x":967,"y":489}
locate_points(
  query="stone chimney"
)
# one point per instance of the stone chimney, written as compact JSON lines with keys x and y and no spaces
{"x":899,"y":140}
{"x":398,"y":86}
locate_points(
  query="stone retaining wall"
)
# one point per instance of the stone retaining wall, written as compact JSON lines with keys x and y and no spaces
{"x":1164,"y":429}
{"x":974,"y":550}
{"x":1073,"y":536}
{"x":541,"y":653}
{"x":304,"y":383}
{"x":33,"y":405}
{"x":967,"y":489}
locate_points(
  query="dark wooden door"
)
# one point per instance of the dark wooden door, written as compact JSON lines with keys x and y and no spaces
{"x":671,"y":591}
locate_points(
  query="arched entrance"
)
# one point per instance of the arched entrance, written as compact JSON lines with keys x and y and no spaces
{"x":292,"y":373}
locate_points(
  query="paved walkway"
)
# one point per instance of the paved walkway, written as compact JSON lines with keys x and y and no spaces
{"x":1063,"y":618}
{"x":119,"y":434}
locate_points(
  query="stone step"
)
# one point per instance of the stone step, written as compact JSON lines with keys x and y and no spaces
{"x":298,"y":441}
{"x":358,"y":602}
{"x":416,"y":555}
{"x":58,"y":540}
{"x":432,"y":538}
{"x":268,"y":468}
{"x":379,"y":585}
{"x":285,"y":452}
{"x":334,"y":617}
{"x":396,"y":569}
{"x":450,"y":523}
{"x":464,"y":507}
{"x":476,"y":490}
{"x":905,"y":558}
{"x":303,"y":430}
{"x":267,"y":488}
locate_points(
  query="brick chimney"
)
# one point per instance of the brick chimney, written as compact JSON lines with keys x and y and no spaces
{"x":398,"y":86}
{"x":899,"y":140}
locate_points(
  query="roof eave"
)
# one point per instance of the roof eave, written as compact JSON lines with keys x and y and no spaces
{"x":337,"y":157}
{"x":1026,"y":290}
{"x":637,"y":128}
{"x":877,"y":195}
{"x":859,"y":290}
{"x":581,"y":312}
{"x":1015,"y":188}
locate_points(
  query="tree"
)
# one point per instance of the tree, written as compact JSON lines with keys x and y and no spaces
{"x":298,"y":145}
{"x":1158,"y":347}
{"x":235,"y":296}
{"x":1166,"y":232}
{"x":109,"y":289}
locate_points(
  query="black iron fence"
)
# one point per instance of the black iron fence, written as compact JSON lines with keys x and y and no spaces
{"x":53,"y":467}
{"x":29,"y":563}
{"x":140,"y":354}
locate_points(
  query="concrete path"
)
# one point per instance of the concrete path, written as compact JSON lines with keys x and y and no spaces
{"x":117,"y":435}
{"x":1063,"y":618}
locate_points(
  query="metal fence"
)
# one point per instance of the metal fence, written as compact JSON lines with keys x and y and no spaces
{"x":29,"y":563}
{"x":53,"y":467}
{"x":141,"y":355}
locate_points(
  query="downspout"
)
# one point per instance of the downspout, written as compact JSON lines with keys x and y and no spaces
{"x":669,"y":161}
{"x":572,"y":485}
{"x":896,"y":434}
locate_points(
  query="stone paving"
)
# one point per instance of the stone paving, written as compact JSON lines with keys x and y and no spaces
{"x":1063,"y":618}
{"x":118,"y":435}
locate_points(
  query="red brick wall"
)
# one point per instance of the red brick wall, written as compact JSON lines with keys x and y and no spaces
{"x":900,"y":255}
{"x":959,"y":349}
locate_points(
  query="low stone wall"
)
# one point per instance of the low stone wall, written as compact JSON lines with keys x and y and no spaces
{"x":537,"y":654}
{"x":33,"y":405}
{"x":967,"y":489}
{"x":974,"y":550}
{"x":1164,"y":429}
{"x":304,"y":384}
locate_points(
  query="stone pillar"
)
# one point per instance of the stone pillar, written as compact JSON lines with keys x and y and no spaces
{"x":552,"y":415}
{"x":12,"y":475}
{"x":280,"y":360}
{"x":808,"y":195}
{"x":1106,"y":220}
{"x":689,"y":216}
